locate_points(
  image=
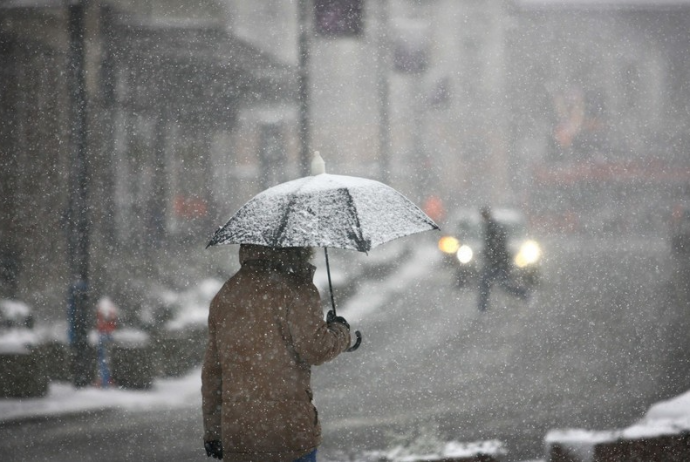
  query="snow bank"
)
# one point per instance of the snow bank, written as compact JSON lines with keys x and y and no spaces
{"x":131,"y":338}
{"x":17,"y":341}
{"x":666,"y":418}
{"x":64,"y":398}
{"x":190,"y":308}
{"x":675,"y":408}
{"x":14,"y":310}
{"x":451,"y":450}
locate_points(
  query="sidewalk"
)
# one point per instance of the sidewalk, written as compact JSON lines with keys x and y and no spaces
{"x":347,"y":270}
{"x":64,"y":399}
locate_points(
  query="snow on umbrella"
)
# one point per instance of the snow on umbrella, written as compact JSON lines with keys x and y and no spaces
{"x":324,"y":210}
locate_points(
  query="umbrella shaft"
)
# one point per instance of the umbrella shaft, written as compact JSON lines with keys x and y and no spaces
{"x":330,"y":285}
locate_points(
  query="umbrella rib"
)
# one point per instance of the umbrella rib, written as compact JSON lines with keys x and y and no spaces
{"x":288,"y":210}
{"x":284,"y":219}
{"x":363,"y":245}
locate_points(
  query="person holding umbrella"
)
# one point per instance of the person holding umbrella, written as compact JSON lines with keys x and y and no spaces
{"x":266,"y":326}
{"x":266,"y":331}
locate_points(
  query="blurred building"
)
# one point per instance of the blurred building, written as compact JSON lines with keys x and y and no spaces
{"x":575,"y":110}
{"x":164,"y":88}
{"x":600,"y":113}
{"x":433,"y":73}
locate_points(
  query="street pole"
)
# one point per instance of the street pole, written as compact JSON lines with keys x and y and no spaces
{"x":77,"y":218}
{"x":384,"y":93}
{"x":304,"y":43}
{"x":418,"y":148}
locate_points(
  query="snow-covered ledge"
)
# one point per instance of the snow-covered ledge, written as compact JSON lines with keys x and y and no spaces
{"x":663,"y":434}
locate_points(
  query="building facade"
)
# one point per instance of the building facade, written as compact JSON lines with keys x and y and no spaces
{"x":119,"y":145}
{"x":572,"y":110}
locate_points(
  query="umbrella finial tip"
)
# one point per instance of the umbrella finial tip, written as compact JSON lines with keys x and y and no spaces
{"x":318,"y":166}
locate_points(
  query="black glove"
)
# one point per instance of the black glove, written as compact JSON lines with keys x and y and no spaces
{"x":214,"y":449}
{"x":331,"y":318}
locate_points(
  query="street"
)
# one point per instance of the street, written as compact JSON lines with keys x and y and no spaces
{"x":603,"y":337}
{"x":600,"y":341}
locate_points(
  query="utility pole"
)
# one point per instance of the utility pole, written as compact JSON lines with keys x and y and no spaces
{"x":77,"y":214}
{"x":304,"y":45}
{"x":383,"y":69}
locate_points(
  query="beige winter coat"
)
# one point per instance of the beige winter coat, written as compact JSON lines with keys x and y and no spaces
{"x":266,"y":330}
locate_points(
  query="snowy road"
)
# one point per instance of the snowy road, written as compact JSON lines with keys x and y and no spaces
{"x":602,"y":339}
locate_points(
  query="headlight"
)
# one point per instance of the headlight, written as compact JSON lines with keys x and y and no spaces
{"x":448,"y":244}
{"x":529,"y":254}
{"x":465,"y":254}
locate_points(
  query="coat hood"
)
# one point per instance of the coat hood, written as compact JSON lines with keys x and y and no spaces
{"x":291,"y":259}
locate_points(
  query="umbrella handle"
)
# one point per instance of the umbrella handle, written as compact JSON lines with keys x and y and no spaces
{"x":330,"y":285}
{"x":358,"y":334}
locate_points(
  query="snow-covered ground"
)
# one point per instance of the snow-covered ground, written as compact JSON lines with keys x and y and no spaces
{"x":64,"y":398}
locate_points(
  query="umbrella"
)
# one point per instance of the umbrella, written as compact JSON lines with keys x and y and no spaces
{"x":325,"y":210}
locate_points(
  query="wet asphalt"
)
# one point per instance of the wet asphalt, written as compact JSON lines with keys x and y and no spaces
{"x":603,"y":338}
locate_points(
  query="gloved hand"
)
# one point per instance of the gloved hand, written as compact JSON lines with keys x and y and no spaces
{"x":214,"y":449}
{"x":331,"y":318}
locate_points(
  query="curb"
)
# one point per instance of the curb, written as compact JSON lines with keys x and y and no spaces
{"x":49,"y":417}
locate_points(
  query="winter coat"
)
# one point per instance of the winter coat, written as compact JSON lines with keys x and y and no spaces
{"x":266,"y":330}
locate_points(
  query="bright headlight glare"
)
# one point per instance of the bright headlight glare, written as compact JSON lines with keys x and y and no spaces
{"x":529,"y":253}
{"x":465,"y":254}
{"x":448,"y":244}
